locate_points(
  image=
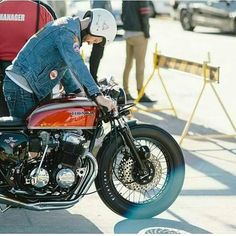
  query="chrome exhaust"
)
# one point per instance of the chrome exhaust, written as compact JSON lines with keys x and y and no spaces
{"x":81,"y":190}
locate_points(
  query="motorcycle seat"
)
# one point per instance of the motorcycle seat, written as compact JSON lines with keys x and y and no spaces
{"x":9,"y":122}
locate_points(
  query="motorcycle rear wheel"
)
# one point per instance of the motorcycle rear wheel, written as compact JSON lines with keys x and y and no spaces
{"x":121,"y":188}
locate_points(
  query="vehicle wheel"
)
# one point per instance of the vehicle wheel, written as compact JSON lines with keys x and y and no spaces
{"x":124,"y":190}
{"x":186,"y":20}
{"x":152,"y":10}
{"x":235,"y":26}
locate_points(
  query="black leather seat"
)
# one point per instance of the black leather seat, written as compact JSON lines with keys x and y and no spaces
{"x":9,"y":122}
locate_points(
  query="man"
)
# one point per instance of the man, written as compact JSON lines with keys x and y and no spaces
{"x":98,"y":49}
{"x":19,"y":20}
{"x":135,"y":17}
{"x":46,"y":57}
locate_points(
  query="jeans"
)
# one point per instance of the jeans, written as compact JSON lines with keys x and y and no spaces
{"x":20,"y":102}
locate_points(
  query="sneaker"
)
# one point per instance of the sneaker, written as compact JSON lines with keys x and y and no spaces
{"x":129,"y":97}
{"x":145,"y":98}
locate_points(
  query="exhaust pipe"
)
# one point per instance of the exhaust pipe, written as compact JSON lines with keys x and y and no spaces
{"x":42,"y":206}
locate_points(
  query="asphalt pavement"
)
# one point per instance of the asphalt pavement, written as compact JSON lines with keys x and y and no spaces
{"x":207,"y":203}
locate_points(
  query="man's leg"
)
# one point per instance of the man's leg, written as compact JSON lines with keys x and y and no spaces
{"x":140,"y":54}
{"x":20,"y":102}
{"x":95,"y":58}
{"x":128,"y":64}
{"x":140,"y":50}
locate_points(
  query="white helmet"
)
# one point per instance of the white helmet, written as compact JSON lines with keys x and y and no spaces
{"x":102,"y":24}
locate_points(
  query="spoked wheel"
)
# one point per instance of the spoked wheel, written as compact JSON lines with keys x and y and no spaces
{"x":133,"y":193}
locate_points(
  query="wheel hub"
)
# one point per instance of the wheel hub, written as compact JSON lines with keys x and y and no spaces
{"x":129,"y":174}
{"x":144,"y":177}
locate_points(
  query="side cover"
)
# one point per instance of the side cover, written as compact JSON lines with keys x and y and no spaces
{"x":13,"y":145}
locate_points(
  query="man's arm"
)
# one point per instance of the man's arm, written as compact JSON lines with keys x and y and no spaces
{"x":68,"y":45}
{"x":144,"y":11}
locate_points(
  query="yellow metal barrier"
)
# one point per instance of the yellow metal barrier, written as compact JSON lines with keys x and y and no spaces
{"x":210,"y":74}
{"x":155,"y":68}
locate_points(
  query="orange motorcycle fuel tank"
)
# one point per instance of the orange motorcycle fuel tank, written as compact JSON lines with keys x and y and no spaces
{"x":65,"y":113}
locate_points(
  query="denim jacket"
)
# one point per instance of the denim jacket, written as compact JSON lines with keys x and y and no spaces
{"x":46,"y":57}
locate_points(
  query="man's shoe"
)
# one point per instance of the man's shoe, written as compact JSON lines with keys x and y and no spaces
{"x":129,"y":97}
{"x":145,"y":98}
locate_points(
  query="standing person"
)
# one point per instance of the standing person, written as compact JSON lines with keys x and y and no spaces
{"x":47,"y":56}
{"x":135,"y":17}
{"x":19,"y":20}
{"x":98,"y":49}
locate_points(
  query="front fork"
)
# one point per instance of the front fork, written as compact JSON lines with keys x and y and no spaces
{"x":129,"y":141}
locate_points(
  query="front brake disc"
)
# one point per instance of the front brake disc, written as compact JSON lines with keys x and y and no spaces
{"x":126,"y":174}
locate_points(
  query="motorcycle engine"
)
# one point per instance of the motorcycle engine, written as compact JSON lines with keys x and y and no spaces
{"x":57,"y":162}
{"x":62,"y":164}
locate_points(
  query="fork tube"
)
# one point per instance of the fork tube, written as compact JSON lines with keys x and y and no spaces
{"x":126,"y":133}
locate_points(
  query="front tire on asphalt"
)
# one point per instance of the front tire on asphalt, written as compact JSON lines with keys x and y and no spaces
{"x":121,"y":188}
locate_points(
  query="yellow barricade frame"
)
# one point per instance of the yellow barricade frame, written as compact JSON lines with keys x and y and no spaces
{"x":210,"y":75}
{"x":141,"y":93}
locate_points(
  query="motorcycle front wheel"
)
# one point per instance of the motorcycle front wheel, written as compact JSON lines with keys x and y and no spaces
{"x":119,"y":183}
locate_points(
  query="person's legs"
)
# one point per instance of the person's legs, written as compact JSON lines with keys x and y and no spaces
{"x":128,"y":64}
{"x":3,"y":105}
{"x":20,"y":102}
{"x":140,"y":49}
{"x":95,"y":58}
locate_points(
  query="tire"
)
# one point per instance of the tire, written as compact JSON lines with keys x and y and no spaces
{"x":117,"y":171}
{"x":234,"y":27}
{"x":152,"y":10}
{"x":186,"y":20}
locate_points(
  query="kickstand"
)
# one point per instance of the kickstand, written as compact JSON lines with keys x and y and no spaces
{"x":2,"y":210}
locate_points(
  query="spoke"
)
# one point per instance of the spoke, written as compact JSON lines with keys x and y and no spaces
{"x":122,"y":186}
{"x":163,"y":178}
{"x":149,"y":192}
{"x":140,"y":197}
{"x":126,"y":191}
{"x":118,"y":184}
{"x":131,"y":192}
{"x":155,"y":192}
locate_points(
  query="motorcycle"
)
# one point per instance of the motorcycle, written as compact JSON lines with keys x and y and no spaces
{"x":47,"y":161}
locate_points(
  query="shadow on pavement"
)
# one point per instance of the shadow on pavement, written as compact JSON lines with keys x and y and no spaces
{"x":156,"y":226}
{"x":211,"y":170}
{"x":205,"y":161}
{"x":175,"y":125}
{"x":33,"y":222}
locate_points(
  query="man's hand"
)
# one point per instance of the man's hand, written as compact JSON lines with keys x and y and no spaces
{"x":106,"y":102}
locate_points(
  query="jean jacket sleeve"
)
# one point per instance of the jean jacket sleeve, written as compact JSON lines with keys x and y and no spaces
{"x":68,"y":45}
{"x":70,"y":83}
